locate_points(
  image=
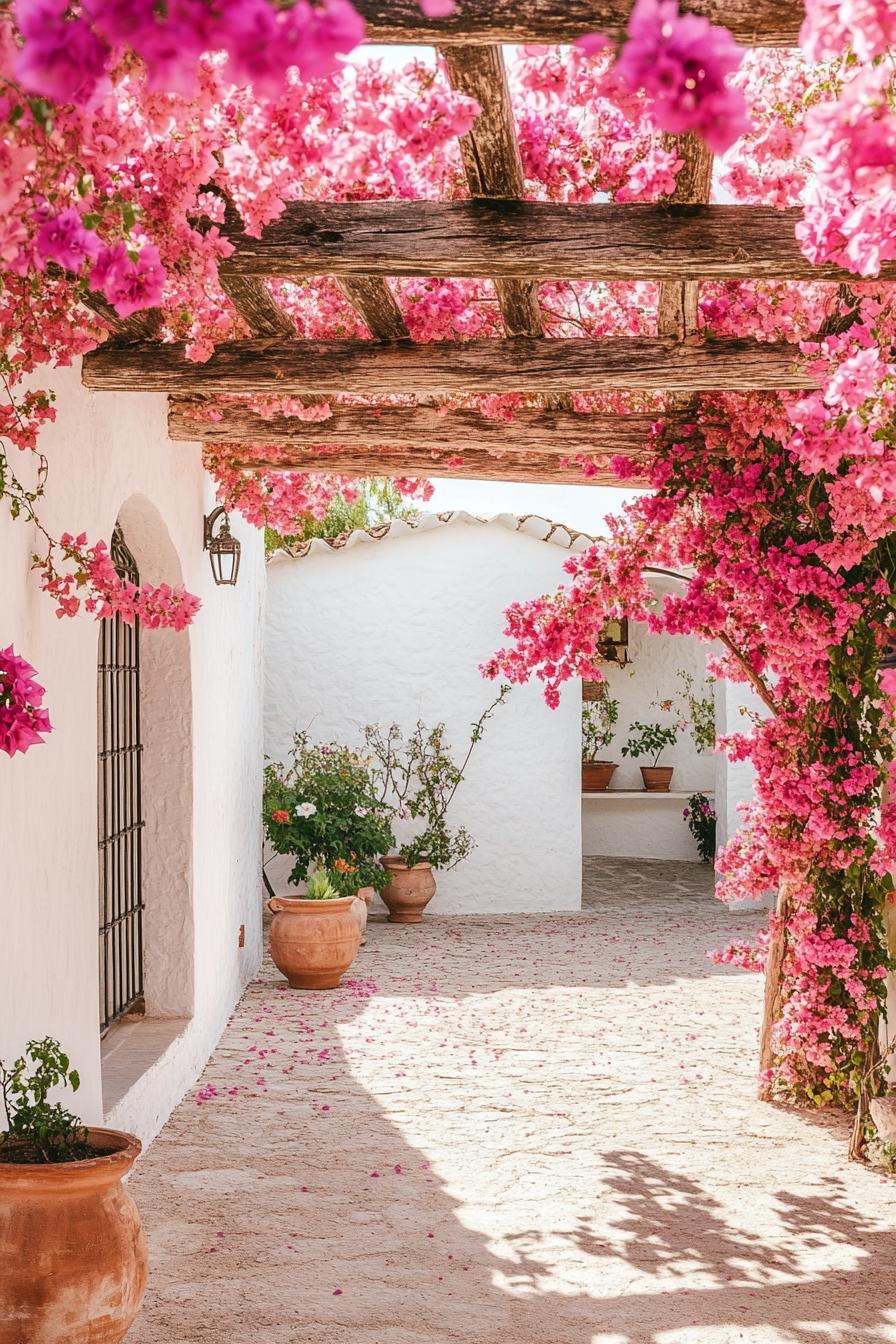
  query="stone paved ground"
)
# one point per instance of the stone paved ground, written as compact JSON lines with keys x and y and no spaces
{"x":510,"y":1131}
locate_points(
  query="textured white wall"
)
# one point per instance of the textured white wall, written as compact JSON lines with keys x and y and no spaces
{"x":646,"y":827}
{"x":735,"y":706}
{"x":396,"y":631}
{"x":105,"y":450}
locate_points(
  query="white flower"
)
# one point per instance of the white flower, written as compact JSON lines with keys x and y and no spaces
{"x":361,"y":811}
{"x":305,"y":810}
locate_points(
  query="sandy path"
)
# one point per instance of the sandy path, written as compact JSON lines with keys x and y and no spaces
{"x":504,"y":1131}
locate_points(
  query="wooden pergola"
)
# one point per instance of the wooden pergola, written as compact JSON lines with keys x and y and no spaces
{"x":499,"y":235}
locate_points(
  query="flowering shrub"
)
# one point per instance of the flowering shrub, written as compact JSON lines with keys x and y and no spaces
{"x":792,"y":570}
{"x":701,"y":820}
{"x":598,"y":724}
{"x":23,"y":720}
{"x":419,"y":777}
{"x":321,"y":806}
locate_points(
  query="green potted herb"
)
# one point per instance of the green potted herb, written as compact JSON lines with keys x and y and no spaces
{"x":651,"y":739}
{"x":599,"y":718}
{"x":72,"y":1252}
{"x":420,"y":777}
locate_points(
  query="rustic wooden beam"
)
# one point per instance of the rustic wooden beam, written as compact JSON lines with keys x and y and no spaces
{"x":368,"y":368}
{"x":480,"y":466}
{"x":370,"y":296}
{"x":138,"y":327}
{"x":493,"y":164}
{"x":756,"y":23}
{"x":536,"y":239}
{"x":557,"y":433}
{"x":256,"y":306}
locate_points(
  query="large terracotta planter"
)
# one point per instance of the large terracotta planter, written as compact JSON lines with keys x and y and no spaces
{"x":596,"y":776}
{"x":657,"y":778}
{"x":409,"y":892}
{"x":360,"y":907}
{"x":314,"y":942}
{"x":72,"y":1253}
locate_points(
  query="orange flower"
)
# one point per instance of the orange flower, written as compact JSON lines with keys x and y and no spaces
{"x":280,"y":816}
{"x":343,"y":866}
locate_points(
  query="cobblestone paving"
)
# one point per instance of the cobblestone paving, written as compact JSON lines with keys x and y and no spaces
{"x":509,"y":1131}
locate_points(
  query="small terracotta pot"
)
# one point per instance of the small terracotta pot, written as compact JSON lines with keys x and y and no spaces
{"x":313,"y":942}
{"x":72,"y":1252}
{"x":409,"y":892}
{"x":657,"y":778}
{"x":596,"y":776}
{"x":883,"y":1113}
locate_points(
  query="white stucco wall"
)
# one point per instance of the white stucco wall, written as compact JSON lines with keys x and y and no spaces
{"x":109,"y":453}
{"x":395,"y":630}
{"x":645,"y":826}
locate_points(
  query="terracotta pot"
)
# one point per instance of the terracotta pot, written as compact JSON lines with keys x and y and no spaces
{"x":314,"y":942}
{"x":359,"y":910}
{"x":657,"y":778}
{"x":72,"y":1253}
{"x":883,"y":1113}
{"x":409,"y":892}
{"x":596,"y":775}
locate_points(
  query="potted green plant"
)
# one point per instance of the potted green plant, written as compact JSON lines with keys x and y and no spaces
{"x":72,"y":1252}
{"x":420,"y":777}
{"x":322,"y":808}
{"x":651,"y":739}
{"x":599,"y":718}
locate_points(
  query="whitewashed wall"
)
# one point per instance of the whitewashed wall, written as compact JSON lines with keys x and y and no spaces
{"x":395,"y":630}
{"x":109,"y":454}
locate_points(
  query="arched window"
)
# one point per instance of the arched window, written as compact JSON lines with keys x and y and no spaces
{"x":120,"y":807}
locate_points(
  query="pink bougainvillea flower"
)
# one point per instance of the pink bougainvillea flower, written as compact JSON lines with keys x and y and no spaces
{"x":61,"y":59}
{"x":681,"y":62}
{"x":592,"y":43}
{"x":438,"y":9}
{"x":888,"y":682}
{"x":64,"y":239}
{"x":23,"y":720}
{"x":129,"y":281}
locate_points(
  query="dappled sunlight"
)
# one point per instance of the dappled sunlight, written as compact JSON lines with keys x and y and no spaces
{"x":509,"y":1130}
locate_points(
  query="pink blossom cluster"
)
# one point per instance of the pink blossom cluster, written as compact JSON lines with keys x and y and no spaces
{"x":681,"y":63}
{"x":67,"y":51}
{"x":23,"y":721}
{"x":90,"y":579}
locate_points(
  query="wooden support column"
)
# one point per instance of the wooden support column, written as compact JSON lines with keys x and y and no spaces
{"x":492,"y":162}
{"x":677,"y":316}
{"x":372,"y":298}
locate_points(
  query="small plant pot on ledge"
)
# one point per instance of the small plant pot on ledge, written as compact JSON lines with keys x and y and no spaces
{"x":72,"y":1253}
{"x":409,"y":892}
{"x":596,"y":776}
{"x":313,"y":942}
{"x":657,"y":778}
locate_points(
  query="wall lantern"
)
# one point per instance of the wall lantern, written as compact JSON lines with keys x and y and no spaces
{"x":613,"y":642}
{"x":223,"y":549}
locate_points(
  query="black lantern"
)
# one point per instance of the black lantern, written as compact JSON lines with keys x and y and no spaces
{"x":612,"y":644}
{"x":223,"y":549}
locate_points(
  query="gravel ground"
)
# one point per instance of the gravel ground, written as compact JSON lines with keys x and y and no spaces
{"x":519,"y":1130}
